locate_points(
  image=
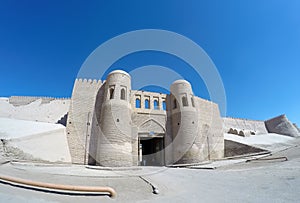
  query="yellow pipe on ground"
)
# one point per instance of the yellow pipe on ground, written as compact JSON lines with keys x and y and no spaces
{"x":111,"y":191}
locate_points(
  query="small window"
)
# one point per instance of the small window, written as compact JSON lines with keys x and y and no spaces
{"x":123,"y":94}
{"x":147,"y":104}
{"x":111,"y":93}
{"x":184,"y":101}
{"x":174,"y":104}
{"x":156,"y":106}
{"x":137,"y":103}
{"x":164,"y":105}
{"x":193,"y":102}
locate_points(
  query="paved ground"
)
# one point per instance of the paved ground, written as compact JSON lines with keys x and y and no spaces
{"x":237,"y":181}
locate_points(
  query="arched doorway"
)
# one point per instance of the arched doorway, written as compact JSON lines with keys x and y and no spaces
{"x":151,"y":144}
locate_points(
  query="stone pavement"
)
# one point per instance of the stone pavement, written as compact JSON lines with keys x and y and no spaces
{"x":231,"y":181}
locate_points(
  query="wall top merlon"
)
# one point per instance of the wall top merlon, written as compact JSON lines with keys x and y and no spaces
{"x":88,"y":81}
{"x":243,"y":119}
{"x":39,"y":97}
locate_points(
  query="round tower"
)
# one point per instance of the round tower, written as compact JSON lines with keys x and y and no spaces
{"x":184,"y":122}
{"x":114,"y":144}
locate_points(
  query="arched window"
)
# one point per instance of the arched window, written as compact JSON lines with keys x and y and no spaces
{"x":184,"y":101}
{"x":147,"y":104}
{"x":193,"y":102}
{"x":155,"y":104}
{"x":111,"y":93}
{"x":174,"y":104}
{"x":123,"y":94}
{"x":164,"y":105}
{"x":137,"y":103}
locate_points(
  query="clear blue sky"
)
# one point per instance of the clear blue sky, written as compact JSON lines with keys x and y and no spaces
{"x":254,"y":44}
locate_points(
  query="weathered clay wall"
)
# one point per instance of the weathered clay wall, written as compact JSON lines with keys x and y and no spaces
{"x":115,"y":140}
{"x":95,"y":126}
{"x":25,"y":100}
{"x":184,"y":123}
{"x":244,"y":126}
{"x":80,"y":117}
{"x":37,"y":110}
{"x":210,"y":133}
{"x":282,"y":125}
{"x":296,"y":126}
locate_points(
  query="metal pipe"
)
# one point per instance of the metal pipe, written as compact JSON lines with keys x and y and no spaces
{"x":74,"y":188}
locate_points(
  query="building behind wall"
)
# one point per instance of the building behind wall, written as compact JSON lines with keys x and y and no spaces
{"x":111,"y":125}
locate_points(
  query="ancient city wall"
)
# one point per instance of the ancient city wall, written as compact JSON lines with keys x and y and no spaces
{"x":83,"y":125}
{"x":210,"y":134}
{"x":80,"y":116}
{"x":34,"y":109}
{"x":244,"y":126}
{"x":25,"y":100}
{"x":296,"y":126}
{"x":282,"y":125}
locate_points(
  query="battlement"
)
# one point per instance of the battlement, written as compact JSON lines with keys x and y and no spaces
{"x":88,"y":81}
{"x":25,"y":100}
{"x":242,"y":119}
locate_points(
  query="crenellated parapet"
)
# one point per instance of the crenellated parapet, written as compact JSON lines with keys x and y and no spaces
{"x":88,"y":81}
{"x":25,"y":100}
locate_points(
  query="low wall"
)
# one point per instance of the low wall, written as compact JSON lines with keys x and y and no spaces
{"x":244,"y":127}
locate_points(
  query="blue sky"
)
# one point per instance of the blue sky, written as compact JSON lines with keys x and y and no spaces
{"x":254,"y":44}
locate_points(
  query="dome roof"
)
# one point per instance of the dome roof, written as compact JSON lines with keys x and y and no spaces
{"x":119,"y":71}
{"x":181,"y":81}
